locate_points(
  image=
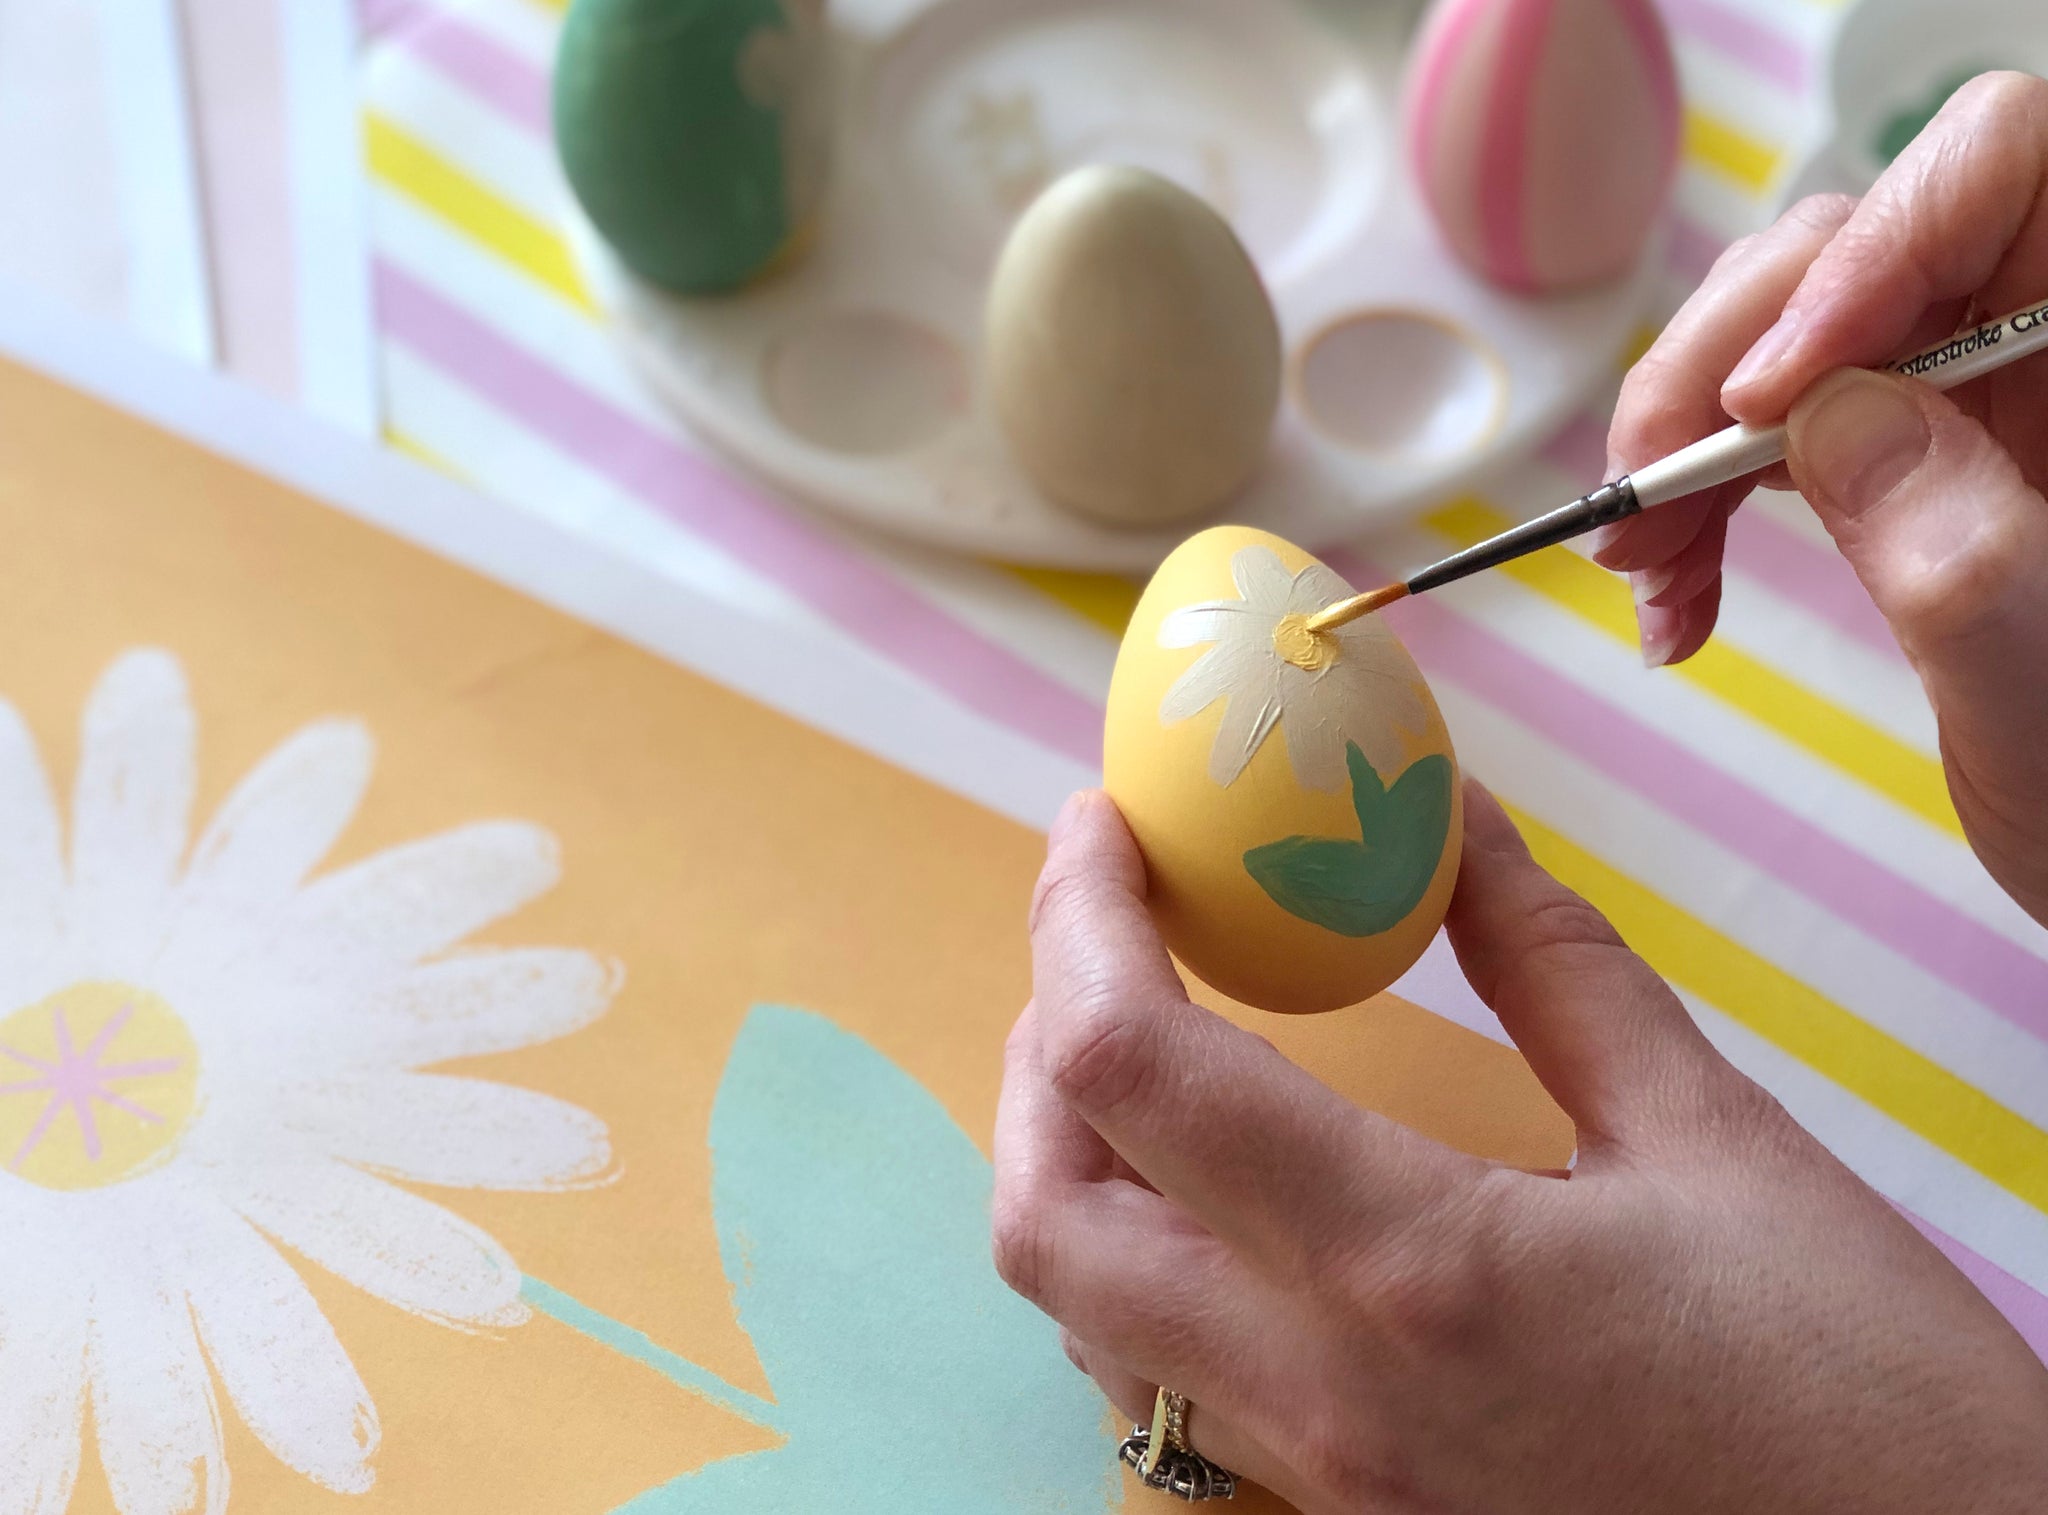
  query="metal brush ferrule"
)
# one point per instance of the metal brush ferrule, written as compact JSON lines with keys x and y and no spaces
{"x":1603,"y":507}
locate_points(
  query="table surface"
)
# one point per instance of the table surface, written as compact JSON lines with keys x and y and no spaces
{"x":1768,"y":824}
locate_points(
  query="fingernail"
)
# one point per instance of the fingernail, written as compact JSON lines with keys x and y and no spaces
{"x":1645,"y":584}
{"x":1769,"y":351}
{"x":1659,"y":629}
{"x":1064,"y":821}
{"x":1858,"y":438}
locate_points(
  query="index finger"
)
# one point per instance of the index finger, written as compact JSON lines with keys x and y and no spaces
{"x":1962,"y":213}
{"x":1266,"y":1157}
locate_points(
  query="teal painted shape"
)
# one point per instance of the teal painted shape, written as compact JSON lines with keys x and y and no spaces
{"x":1365,"y":887}
{"x":852,"y":1220}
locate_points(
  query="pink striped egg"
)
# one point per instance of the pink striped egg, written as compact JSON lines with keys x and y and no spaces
{"x":1544,"y":135}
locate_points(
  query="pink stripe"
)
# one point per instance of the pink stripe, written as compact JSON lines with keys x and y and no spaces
{"x":484,"y":67}
{"x":1579,"y":451}
{"x":1693,"y":248}
{"x":1504,"y":158}
{"x":1812,"y":576}
{"x":843,"y":585}
{"x":379,"y":19}
{"x":1761,"y":49}
{"x":2025,"y":1307}
{"x":1449,"y":31}
{"x":1970,"y":957}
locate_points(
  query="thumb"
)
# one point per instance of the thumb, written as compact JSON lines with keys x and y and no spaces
{"x":1952,"y":545}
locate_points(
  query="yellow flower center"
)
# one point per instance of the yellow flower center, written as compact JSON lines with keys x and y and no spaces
{"x":97,"y":1082}
{"x":1303,"y":648}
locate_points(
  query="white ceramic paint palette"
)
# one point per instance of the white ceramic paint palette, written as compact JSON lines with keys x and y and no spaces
{"x":1893,"y":64}
{"x":851,"y":382}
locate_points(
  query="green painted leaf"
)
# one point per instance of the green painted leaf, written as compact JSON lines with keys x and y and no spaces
{"x":1362,"y":888}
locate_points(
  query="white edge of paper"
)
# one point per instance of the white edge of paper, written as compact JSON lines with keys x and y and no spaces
{"x":170,"y":295}
{"x":336,"y":338}
{"x":802,"y":671}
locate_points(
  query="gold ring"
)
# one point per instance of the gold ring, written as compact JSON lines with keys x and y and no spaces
{"x":1163,"y":1459}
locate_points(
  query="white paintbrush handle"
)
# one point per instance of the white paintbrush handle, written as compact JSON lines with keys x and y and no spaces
{"x":1742,"y":450}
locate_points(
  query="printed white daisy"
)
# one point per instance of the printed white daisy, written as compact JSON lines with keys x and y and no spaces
{"x":1369,"y":672}
{"x":206,"y":1056}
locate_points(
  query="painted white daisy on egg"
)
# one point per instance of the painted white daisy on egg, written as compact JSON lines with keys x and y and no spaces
{"x":209,"y":1058}
{"x":1263,"y":690}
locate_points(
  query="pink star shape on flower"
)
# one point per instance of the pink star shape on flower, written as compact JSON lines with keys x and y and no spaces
{"x":76,"y":1079}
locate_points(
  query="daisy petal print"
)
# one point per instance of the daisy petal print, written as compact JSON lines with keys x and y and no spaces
{"x":471,"y":1005}
{"x":152,"y":1400}
{"x":1264,"y":692}
{"x":31,"y":860}
{"x":206,"y":1057}
{"x":405,"y":1250}
{"x":278,"y":1359}
{"x":131,"y":808}
{"x":462,"y":1133}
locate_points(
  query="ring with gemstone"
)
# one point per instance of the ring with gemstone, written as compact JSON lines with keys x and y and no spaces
{"x":1175,"y":1467}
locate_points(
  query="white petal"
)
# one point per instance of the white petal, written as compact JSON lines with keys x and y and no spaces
{"x":471,"y":1005}
{"x":1215,"y":621}
{"x":1206,"y":681}
{"x":42,"y":1390}
{"x":282,"y":818}
{"x":1315,"y":747}
{"x":405,"y":903}
{"x":277,"y":1356}
{"x":131,"y":808}
{"x":31,"y":861}
{"x":1262,"y":579}
{"x":152,"y":1398}
{"x":386,"y":1242}
{"x":1247,"y":721}
{"x":464,"y":1133}
{"x":1316,"y":587}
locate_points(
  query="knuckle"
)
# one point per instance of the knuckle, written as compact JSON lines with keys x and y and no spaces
{"x":1021,"y":1236}
{"x":1822,"y":212}
{"x":1352,"y":1469}
{"x":1061,"y":894}
{"x":1106,"y":1061}
{"x":1971,"y":589}
{"x":1563,"y":922}
{"x":1436,"y":1291}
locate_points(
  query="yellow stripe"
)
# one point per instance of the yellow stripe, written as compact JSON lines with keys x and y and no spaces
{"x":1899,"y":772}
{"x":1640,"y":341}
{"x":1714,"y":144}
{"x":1920,"y":1095}
{"x":1104,"y":598}
{"x":479,"y":213}
{"x":419,"y":452}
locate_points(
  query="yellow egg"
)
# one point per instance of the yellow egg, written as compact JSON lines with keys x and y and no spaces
{"x":1295,"y":795}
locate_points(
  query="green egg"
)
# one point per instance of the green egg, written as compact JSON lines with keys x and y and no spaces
{"x":693,"y":131}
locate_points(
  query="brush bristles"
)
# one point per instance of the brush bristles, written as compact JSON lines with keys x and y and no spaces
{"x":1344,"y":612}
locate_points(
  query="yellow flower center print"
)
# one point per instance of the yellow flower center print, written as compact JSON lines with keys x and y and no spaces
{"x":97,"y":1083}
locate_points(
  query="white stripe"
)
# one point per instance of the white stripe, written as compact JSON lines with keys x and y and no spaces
{"x":1029,"y":624}
{"x":518,"y":309}
{"x":1697,"y":875}
{"x":1990,"y":1221}
{"x":504,"y":156}
{"x":337,"y":362}
{"x":524,"y":27}
{"x":170,"y":298}
{"x":512,"y":463}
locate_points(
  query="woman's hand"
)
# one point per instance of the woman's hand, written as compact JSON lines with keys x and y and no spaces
{"x":1935,"y":502}
{"x":1710,"y":1315}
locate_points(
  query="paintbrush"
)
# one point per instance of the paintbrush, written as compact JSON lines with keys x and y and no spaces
{"x":1718,"y":459}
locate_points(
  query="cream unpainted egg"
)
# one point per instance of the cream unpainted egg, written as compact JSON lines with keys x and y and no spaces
{"x":1133,"y":354}
{"x":1544,"y":135}
{"x":1296,"y":797}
